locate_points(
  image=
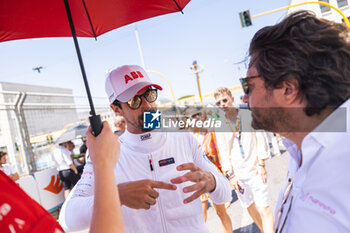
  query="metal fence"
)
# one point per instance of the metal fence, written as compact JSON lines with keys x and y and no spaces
{"x":31,"y":121}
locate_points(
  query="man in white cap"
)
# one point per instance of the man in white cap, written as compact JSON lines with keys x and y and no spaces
{"x":67,"y":171}
{"x":160,"y":175}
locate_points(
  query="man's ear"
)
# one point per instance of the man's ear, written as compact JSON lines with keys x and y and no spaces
{"x":290,"y":89}
{"x":116,"y":110}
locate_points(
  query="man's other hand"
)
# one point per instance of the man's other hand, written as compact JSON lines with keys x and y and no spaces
{"x":234,"y":182}
{"x":204,"y":181}
{"x":262,"y":172}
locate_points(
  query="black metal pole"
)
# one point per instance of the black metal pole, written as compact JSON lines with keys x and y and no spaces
{"x":178,"y":6}
{"x":95,"y":120}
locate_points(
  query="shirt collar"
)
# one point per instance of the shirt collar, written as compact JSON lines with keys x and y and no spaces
{"x":62,"y":147}
{"x":334,"y":126}
{"x":328,"y":131}
{"x":145,"y":142}
{"x":292,"y":149}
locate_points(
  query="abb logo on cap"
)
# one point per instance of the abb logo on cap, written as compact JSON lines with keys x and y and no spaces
{"x":134,"y":75}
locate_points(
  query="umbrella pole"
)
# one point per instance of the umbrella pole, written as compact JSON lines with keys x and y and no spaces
{"x":95,"y":120}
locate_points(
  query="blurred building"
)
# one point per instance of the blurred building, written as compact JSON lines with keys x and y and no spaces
{"x":325,"y":11}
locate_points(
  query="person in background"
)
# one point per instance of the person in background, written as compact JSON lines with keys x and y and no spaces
{"x":209,"y":145}
{"x":79,"y":161}
{"x":67,"y":172}
{"x":119,"y":125}
{"x":273,"y":143}
{"x":83,"y":148}
{"x":7,"y":168}
{"x":243,"y":155}
{"x":298,"y":85}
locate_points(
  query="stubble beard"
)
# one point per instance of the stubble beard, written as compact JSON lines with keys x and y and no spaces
{"x":266,"y":118}
{"x":262,"y":119}
{"x":271,"y":119}
{"x":140,"y":125}
{"x":140,"y":120}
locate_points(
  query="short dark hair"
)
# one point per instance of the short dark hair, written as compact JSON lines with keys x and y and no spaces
{"x":2,"y":154}
{"x":315,"y":52}
{"x":117,"y":103}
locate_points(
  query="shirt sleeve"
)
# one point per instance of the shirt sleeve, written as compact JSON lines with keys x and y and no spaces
{"x":222,"y":191}
{"x":66,"y":157}
{"x":222,"y":140}
{"x":9,"y":169}
{"x":13,"y":170}
{"x":262,"y":145}
{"x":76,"y":212}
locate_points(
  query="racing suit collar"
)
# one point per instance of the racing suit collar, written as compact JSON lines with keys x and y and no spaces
{"x":146,"y":142}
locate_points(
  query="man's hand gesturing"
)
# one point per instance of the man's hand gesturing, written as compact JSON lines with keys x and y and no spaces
{"x":204,"y":181}
{"x":141,"y":194}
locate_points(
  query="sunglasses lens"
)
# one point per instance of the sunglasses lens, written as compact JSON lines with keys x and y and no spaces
{"x":135,"y":102}
{"x":245,"y":87}
{"x":151,"y":96}
{"x":223,"y":101}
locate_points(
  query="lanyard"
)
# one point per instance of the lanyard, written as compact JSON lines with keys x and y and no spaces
{"x":237,"y":129}
{"x":197,"y":134}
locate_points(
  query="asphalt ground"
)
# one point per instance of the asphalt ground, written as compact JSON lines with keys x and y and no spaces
{"x":276,"y":168}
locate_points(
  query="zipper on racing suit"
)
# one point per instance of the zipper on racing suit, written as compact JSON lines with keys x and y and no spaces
{"x":154,"y":176}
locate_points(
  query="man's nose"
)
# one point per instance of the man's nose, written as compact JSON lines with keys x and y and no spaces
{"x":145,"y":104}
{"x":223,"y":105}
{"x":245,"y":99}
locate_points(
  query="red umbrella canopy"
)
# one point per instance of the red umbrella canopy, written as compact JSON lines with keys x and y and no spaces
{"x":47,"y":18}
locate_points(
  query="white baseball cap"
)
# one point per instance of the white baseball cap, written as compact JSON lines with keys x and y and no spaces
{"x":126,"y":81}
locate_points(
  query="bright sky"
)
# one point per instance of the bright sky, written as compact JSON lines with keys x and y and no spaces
{"x":209,"y":32}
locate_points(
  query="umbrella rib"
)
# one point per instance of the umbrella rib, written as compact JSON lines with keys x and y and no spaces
{"x":178,"y":6}
{"x":88,"y":15}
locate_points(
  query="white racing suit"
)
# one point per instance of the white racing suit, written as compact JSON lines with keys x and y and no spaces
{"x":152,"y":156}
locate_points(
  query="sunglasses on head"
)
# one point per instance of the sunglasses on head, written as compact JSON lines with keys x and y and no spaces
{"x":150,"y":95}
{"x":219,"y":102}
{"x":244,"y":83}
